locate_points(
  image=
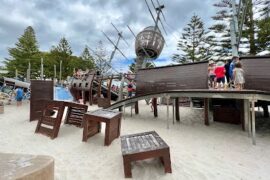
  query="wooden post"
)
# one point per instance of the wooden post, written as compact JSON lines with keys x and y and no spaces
{"x":177,"y":115}
{"x":83,"y":97}
{"x":120,"y":95}
{"x":265,"y":111}
{"x":206,"y":111}
{"x":155,"y":107}
{"x":137,"y":107}
{"x":60,"y":72}
{"x":253,"y":122}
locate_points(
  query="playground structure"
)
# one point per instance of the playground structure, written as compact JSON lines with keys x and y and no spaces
{"x":180,"y":82}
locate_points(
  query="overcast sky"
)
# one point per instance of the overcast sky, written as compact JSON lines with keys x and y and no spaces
{"x":81,"y":23}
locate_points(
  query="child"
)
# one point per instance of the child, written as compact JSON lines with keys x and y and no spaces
{"x":220,"y":74}
{"x":238,"y":76}
{"x":211,"y":74}
{"x":19,"y":96}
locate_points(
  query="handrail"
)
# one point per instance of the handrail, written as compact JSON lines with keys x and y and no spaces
{"x":253,"y":95}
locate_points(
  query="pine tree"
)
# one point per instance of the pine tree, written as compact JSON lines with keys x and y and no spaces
{"x":221,"y":31}
{"x":88,"y":60}
{"x":102,"y":62}
{"x":249,"y":28}
{"x":263,"y":24}
{"x":193,"y":42}
{"x":62,"y":52}
{"x":26,"y":51}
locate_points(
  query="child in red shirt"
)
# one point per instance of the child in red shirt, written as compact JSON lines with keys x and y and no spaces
{"x":220,"y":74}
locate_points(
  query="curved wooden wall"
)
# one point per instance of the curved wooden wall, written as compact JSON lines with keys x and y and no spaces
{"x":185,"y":76}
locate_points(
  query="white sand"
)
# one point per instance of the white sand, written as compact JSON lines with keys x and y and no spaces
{"x":220,"y":151}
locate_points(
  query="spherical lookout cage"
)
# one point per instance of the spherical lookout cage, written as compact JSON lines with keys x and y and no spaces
{"x":149,"y":40}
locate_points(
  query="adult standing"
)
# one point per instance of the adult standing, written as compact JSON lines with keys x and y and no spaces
{"x":227,"y":68}
{"x":235,"y":59}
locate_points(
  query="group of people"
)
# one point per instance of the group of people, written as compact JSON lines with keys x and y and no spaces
{"x":226,"y":75}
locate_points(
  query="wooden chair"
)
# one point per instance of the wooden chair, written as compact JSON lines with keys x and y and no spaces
{"x":51,"y":118}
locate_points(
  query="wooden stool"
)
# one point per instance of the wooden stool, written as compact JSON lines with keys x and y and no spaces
{"x":92,"y":121}
{"x":143,"y":146}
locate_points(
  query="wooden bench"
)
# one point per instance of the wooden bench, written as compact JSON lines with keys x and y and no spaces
{"x":92,"y":124}
{"x":143,"y":146}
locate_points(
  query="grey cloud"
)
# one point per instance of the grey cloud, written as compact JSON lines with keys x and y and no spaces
{"x":53,"y":19}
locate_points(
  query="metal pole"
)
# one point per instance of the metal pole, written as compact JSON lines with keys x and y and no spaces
{"x":253,"y":123}
{"x":168,"y":101}
{"x":116,"y":46}
{"x":41,"y":70}
{"x":173,"y":111}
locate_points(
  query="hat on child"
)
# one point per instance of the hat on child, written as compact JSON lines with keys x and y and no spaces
{"x":211,"y":62}
{"x":220,"y":63}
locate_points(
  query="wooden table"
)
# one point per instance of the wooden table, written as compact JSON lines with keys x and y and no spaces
{"x":92,"y":124}
{"x":143,"y":146}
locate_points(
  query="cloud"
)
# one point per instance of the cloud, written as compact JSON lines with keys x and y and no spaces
{"x":82,"y":21}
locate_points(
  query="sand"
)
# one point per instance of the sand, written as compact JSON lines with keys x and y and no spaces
{"x":220,"y":151}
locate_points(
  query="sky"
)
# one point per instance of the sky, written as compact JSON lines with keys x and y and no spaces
{"x":81,"y":22}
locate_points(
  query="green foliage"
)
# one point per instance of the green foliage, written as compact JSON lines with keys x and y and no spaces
{"x":193,"y":43}
{"x":26,"y":51}
{"x":62,"y":52}
{"x":221,"y":40}
{"x":88,"y":60}
{"x":264,"y":34}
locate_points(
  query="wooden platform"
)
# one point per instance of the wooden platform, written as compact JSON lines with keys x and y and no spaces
{"x":143,"y":146}
{"x":26,"y":167}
